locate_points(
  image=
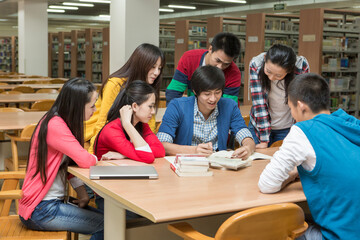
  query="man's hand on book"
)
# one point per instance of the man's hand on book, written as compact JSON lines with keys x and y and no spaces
{"x":204,"y":148}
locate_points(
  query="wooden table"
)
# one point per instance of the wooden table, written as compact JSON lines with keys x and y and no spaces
{"x":23,"y":80}
{"x":173,"y":198}
{"x":26,"y":97}
{"x":34,"y":86}
{"x":18,"y":120}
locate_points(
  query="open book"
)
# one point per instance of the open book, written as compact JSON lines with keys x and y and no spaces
{"x":222,"y":159}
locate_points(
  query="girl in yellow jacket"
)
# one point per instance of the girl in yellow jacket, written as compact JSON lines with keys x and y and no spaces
{"x":146,"y":64}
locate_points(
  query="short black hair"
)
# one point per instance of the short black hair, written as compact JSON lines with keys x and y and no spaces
{"x":227,"y":42}
{"x":207,"y":78}
{"x":311,"y":89}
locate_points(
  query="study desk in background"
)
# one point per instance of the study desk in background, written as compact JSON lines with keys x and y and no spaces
{"x":18,"y":120}
{"x":27,"y":97}
{"x":177,"y":198}
{"x":24,"y":80}
{"x":34,"y":86}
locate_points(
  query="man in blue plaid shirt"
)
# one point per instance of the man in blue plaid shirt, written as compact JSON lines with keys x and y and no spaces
{"x":201,"y":123}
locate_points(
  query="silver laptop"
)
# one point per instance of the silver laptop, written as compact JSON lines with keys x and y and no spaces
{"x":123,"y":172}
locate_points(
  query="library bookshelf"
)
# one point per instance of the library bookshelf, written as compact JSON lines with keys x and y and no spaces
{"x":330,"y":40}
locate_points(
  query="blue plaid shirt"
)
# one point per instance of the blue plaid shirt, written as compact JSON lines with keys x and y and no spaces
{"x":205,"y":130}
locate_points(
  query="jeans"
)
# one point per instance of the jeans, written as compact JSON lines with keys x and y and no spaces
{"x":312,"y":233}
{"x":54,"y":215}
{"x":100,"y":205}
{"x":275,"y":135}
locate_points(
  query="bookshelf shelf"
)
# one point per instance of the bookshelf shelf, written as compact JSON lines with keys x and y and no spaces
{"x":337,"y":60}
{"x":167,"y":45}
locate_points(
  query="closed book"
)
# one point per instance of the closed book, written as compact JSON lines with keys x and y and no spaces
{"x":191,"y":159}
{"x":190,"y":168}
{"x":190,"y":174}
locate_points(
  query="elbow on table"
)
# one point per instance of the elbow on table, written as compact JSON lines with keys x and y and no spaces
{"x":264,"y":188}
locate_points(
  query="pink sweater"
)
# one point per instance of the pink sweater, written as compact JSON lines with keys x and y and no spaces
{"x":60,"y":141}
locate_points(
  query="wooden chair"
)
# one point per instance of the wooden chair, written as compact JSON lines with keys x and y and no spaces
{"x":16,"y":163}
{"x":57,"y":81}
{"x":2,"y":83}
{"x":47,"y":90}
{"x":37,"y":82}
{"x":277,"y":143}
{"x":10,"y":225}
{"x":273,"y":222}
{"x":24,"y":89}
{"x":246,"y":119}
{"x":42,"y":105}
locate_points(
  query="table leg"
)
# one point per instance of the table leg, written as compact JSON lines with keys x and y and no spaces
{"x":114,"y":220}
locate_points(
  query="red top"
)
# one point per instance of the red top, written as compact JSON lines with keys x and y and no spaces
{"x":112,"y":138}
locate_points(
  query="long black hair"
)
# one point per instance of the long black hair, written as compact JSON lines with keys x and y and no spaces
{"x":135,"y":92}
{"x":138,"y":66}
{"x":284,"y":57}
{"x":70,"y":106}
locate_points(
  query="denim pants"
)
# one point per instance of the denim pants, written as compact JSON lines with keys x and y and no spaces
{"x":275,"y":135}
{"x":54,"y":215}
{"x":312,"y":233}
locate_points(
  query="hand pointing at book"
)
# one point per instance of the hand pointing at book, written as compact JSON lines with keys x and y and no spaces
{"x":204,"y":148}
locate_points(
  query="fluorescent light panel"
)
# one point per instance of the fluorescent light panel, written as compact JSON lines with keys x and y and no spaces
{"x":56,"y":10}
{"x":104,"y":16}
{"x":4,"y":20}
{"x":232,"y":1}
{"x":166,"y":10}
{"x":78,"y":4}
{"x":96,"y":1}
{"x":63,"y":7}
{"x":182,"y":6}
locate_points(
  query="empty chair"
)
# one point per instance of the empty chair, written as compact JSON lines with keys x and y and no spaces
{"x":16,"y":163}
{"x":24,"y":89}
{"x":42,"y":105}
{"x":10,"y":225}
{"x":57,"y":81}
{"x":277,"y":143}
{"x":47,"y":90}
{"x":273,"y":222}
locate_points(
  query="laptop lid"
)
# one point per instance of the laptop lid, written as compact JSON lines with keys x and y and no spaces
{"x":123,"y":172}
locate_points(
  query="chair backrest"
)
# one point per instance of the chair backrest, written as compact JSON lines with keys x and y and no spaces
{"x":9,"y":190}
{"x":10,"y":109}
{"x":271,"y":222}
{"x":11,"y":92}
{"x":277,"y":143}
{"x":47,"y":90}
{"x":57,"y":81}
{"x":24,"y":89}
{"x":2,"y":83}
{"x":27,"y":132}
{"x":42,"y":105}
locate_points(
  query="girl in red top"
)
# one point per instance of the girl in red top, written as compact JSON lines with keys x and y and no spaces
{"x":127,"y":131}
{"x":58,"y":141}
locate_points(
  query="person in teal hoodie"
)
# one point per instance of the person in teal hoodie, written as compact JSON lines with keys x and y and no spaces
{"x":325,"y":148}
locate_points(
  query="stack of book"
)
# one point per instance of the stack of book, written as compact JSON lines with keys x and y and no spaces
{"x":189,"y":165}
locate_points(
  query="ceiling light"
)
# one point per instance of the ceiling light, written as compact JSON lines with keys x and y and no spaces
{"x":78,"y":4}
{"x":181,"y":6}
{"x":232,"y":1}
{"x":56,"y":10}
{"x":96,"y":1}
{"x":166,"y":10}
{"x":104,"y":16}
{"x":63,"y":7}
{"x":14,"y":26}
{"x":3,"y":20}
{"x":356,"y":7}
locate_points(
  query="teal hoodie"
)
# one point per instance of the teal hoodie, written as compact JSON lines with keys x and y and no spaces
{"x":331,"y":188}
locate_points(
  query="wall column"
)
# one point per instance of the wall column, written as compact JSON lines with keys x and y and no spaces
{"x":132,"y":23}
{"x":33,"y":37}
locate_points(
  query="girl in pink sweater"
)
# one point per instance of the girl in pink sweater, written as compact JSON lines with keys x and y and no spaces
{"x":57,"y":142}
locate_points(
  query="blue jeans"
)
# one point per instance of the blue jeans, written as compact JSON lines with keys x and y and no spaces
{"x":100,"y":206}
{"x":275,"y":135}
{"x":312,"y":233}
{"x":54,"y":215}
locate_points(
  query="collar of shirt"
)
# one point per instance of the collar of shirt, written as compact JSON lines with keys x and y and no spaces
{"x":197,"y":112}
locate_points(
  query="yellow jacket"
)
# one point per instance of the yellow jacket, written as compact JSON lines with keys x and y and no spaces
{"x":98,"y":119}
